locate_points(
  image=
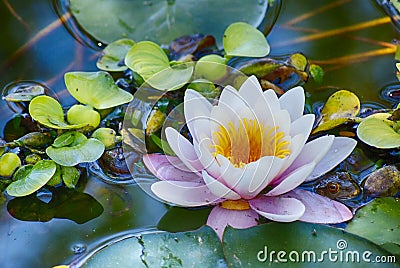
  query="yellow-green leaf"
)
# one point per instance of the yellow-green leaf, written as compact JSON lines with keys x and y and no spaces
{"x":378,"y":133}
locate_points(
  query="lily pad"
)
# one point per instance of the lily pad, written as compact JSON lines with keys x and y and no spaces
{"x":163,"y":21}
{"x":378,"y":221}
{"x":152,"y":64}
{"x":48,"y":112}
{"x":96,"y":89}
{"x":211,"y":67}
{"x":297,"y":244}
{"x":341,"y":107}
{"x":33,"y":180}
{"x":378,"y":133}
{"x":81,"y":150}
{"x":112,"y":58}
{"x":25,"y":93}
{"x":243,"y":40}
{"x":200,"y":248}
{"x":178,"y":219}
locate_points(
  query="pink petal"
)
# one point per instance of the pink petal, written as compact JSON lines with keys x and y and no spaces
{"x":187,"y":194}
{"x":313,"y":151}
{"x":219,"y":218}
{"x":292,"y":180}
{"x":169,"y":168}
{"x":320,"y":209}
{"x":219,"y":189}
{"x":197,"y":113}
{"x":293,"y":101}
{"x":280,"y":209}
{"x":183,"y":149}
{"x":339,"y":151}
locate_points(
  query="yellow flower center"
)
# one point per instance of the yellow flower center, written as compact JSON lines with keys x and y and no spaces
{"x":249,"y":142}
{"x":235,"y":205}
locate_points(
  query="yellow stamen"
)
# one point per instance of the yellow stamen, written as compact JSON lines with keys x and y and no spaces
{"x":249,"y":141}
{"x":235,"y":205}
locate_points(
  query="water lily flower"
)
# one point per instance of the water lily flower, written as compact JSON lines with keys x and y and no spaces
{"x":248,"y":155}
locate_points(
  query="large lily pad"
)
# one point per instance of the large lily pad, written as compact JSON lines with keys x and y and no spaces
{"x":378,"y":132}
{"x":32,"y":179}
{"x":163,"y":21}
{"x":241,"y":39}
{"x":48,"y":112}
{"x":378,"y":221}
{"x":297,"y":244}
{"x":80,"y":150}
{"x":112,"y":58}
{"x":200,"y":248}
{"x":152,"y":64}
{"x":341,"y":107}
{"x":96,"y":89}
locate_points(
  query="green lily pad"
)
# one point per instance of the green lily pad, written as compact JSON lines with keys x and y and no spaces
{"x":112,"y":58}
{"x":81,"y":150}
{"x":48,"y":112}
{"x":152,"y":64}
{"x":178,"y":219}
{"x":33,"y":180}
{"x":243,"y":40}
{"x":163,"y":21}
{"x":211,"y":67}
{"x":341,"y":107}
{"x":26,"y":93}
{"x":297,"y":244}
{"x":96,"y":89}
{"x":317,"y":73}
{"x":79,"y":114}
{"x":70,"y":176}
{"x":200,"y":248}
{"x":378,"y":133}
{"x":378,"y":221}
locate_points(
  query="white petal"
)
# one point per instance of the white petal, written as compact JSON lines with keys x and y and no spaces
{"x":313,"y":151}
{"x":208,"y":161}
{"x":183,"y":149}
{"x":293,"y":101}
{"x":197,"y":113}
{"x":281,"y":119}
{"x":272,"y":99}
{"x":280,"y":209}
{"x":302,"y":125}
{"x":339,"y":151}
{"x":219,"y":189}
{"x":186,"y":194}
{"x":251,"y":91}
{"x":230,"y":97}
{"x":292,"y":180}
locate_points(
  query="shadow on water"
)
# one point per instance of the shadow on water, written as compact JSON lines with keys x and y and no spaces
{"x":35,"y":46}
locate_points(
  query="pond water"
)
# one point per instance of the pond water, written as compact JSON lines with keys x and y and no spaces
{"x":35,"y":46}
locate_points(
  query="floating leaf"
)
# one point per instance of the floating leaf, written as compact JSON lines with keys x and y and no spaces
{"x":33,"y":180}
{"x":341,"y":107}
{"x":243,"y":40}
{"x":80,"y":150}
{"x":378,"y":133}
{"x":96,"y":89}
{"x":9,"y":162}
{"x":107,"y":136}
{"x":79,"y":114}
{"x":378,"y":221}
{"x":200,"y":248}
{"x":25,"y":93}
{"x":317,"y":73}
{"x":205,"y":88}
{"x":296,"y":244}
{"x":155,"y":121}
{"x":211,"y":67}
{"x":112,"y":58}
{"x":48,"y":112}
{"x":152,"y":64}
{"x":70,"y":176}
{"x":164,"y":21}
{"x":178,"y":219}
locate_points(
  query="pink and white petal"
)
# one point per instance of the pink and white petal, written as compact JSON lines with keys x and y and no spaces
{"x":169,"y":168}
{"x":320,"y":209}
{"x":292,"y":180}
{"x":296,"y":146}
{"x":251,"y":91}
{"x":183,"y":149}
{"x":293,"y":101}
{"x":313,"y":151}
{"x":339,"y":151}
{"x":281,"y":209}
{"x":264,"y":112}
{"x":208,"y":161}
{"x":230,"y":97}
{"x":197,"y":113}
{"x":281,"y":119}
{"x":219,"y":218}
{"x":220,"y":116}
{"x":219,"y":189}
{"x":302,"y":125}
{"x":272,"y":100}
{"x":187,"y":194}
